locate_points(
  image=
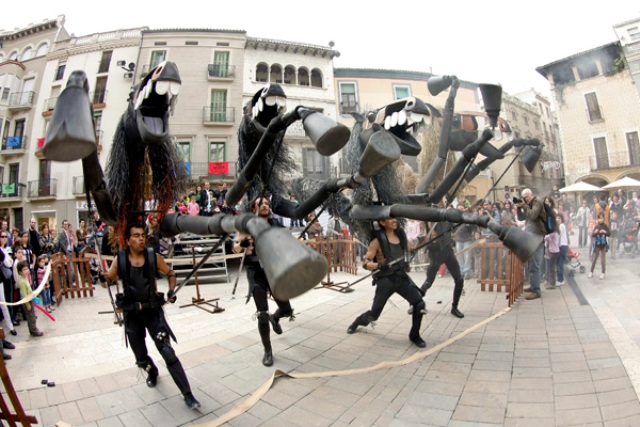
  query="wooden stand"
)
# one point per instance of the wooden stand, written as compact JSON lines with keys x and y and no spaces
{"x":199,"y":302}
{"x":338,"y":287}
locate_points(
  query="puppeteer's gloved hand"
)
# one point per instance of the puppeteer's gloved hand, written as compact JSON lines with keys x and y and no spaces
{"x":171,"y":297}
{"x":245,"y":243}
{"x":383,"y":266}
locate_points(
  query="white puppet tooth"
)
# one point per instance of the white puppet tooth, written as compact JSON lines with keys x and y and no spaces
{"x":270,"y":100}
{"x":394,"y":119}
{"x":402,"y":117}
{"x":147,"y":89}
{"x":162,"y":87}
{"x":260,"y":105}
{"x":282,"y":101}
{"x":139,"y":100}
{"x":387,"y":122}
{"x":174,"y":89}
{"x":172,"y":104}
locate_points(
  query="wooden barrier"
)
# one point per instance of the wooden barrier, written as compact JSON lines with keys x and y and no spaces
{"x":500,"y":268}
{"x":5,"y":413}
{"x":341,"y":255}
{"x":71,"y":276}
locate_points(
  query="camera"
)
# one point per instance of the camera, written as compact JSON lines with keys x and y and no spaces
{"x":517,"y":200}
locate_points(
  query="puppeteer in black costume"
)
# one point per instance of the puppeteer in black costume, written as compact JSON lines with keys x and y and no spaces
{"x":390,"y":243}
{"x":142,"y":304}
{"x":441,"y":252}
{"x":259,"y":287}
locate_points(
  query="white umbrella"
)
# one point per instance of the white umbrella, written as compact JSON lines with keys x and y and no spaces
{"x":625,"y":182}
{"x":579,"y":187}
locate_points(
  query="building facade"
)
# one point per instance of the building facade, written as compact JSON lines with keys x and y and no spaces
{"x":598,"y":115}
{"x":23,"y":60}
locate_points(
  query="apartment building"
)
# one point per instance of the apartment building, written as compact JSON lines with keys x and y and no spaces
{"x":209,"y":109}
{"x":598,"y":115}
{"x":23,"y":59}
{"x":628,"y":34}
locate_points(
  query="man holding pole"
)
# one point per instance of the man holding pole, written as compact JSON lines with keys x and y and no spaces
{"x":142,"y":307}
{"x":391,"y":244}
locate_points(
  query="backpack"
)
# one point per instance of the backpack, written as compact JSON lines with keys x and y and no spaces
{"x":550,"y":224}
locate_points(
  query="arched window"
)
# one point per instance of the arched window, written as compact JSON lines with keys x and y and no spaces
{"x":290,"y":75}
{"x":13,"y":56}
{"x":262,"y":72}
{"x":42,"y":49}
{"x":316,"y":78}
{"x":276,"y":74}
{"x":27,"y":53}
{"x":303,"y":76}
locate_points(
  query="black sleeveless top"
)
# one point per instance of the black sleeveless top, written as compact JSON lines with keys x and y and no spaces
{"x":139,"y":287}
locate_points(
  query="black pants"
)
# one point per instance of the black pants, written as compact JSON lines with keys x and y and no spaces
{"x":401,"y":284}
{"x":152,"y":320}
{"x":446,"y":257}
{"x":260,"y":289}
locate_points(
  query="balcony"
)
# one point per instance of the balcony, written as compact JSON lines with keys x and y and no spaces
{"x":219,"y":116}
{"x":11,"y":192}
{"x":45,"y":188}
{"x":21,"y":101}
{"x":347,"y":107}
{"x":198,"y":170}
{"x":221,"y":72}
{"x":77,"y":186}
{"x":49,"y":105}
{"x":614,"y":160}
{"x":14,"y":145}
{"x":99,"y":98}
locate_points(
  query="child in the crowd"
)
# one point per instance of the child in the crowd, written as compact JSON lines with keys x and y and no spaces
{"x":614,"y":227}
{"x":24,"y":283}
{"x":43,"y":260}
{"x":600,"y":234}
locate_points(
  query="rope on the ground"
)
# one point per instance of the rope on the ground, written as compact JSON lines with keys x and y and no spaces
{"x":247,"y":404}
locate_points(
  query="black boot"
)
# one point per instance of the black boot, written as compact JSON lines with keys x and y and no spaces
{"x":362,"y":320}
{"x":191,"y":401}
{"x":456,"y":312}
{"x":416,"y":322}
{"x":425,"y":287}
{"x":457,"y":292}
{"x":152,"y":374}
{"x":274,"y":319}
{"x":267,"y":359}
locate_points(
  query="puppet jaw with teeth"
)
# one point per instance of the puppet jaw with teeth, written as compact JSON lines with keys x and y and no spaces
{"x":155,"y":100}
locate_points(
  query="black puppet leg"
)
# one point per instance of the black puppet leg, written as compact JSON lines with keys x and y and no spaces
{"x":265,"y":329}
{"x":151,"y":371}
{"x":416,"y":322}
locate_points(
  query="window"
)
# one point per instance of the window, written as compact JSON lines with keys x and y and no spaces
{"x":60,"y":72}
{"x":275,"y":76}
{"x":1,"y":175}
{"x":220,"y":64}
{"x":13,"y":56}
{"x":262,"y":72}
{"x":157,"y":56}
{"x":401,"y":91}
{"x":5,"y":93}
{"x":105,"y":61}
{"x":289,"y":75}
{"x":313,"y":164}
{"x":348,"y":98}
{"x":634,"y":33}
{"x":602,"y":154}
{"x":99,"y":96}
{"x":27,"y":53}
{"x":303,"y":76}
{"x":526,"y":119}
{"x":14,"y":173}
{"x":562,"y":75}
{"x":217,"y":151}
{"x":592,"y":107}
{"x":587,"y":69}
{"x":191,"y":43}
{"x":316,"y":78}
{"x":184,"y":151}
{"x":634,"y":148}
{"x":218,"y":105}
{"x":42,"y":49}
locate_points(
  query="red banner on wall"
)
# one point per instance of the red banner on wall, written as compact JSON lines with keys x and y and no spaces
{"x":40,"y":142}
{"x":218,"y":168}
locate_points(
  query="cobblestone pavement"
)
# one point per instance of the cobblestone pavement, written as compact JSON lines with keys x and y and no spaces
{"x":569,"y":358}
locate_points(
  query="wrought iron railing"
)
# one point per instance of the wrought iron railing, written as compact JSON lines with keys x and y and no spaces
{"x":42,"y":188}
{"x":77,"y":185}
{"x":14,"y":142}
{"x":219,"y":115}
{"x":20,"y":99}
{"x":12,"y":189}
{"x":223,"y":71}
